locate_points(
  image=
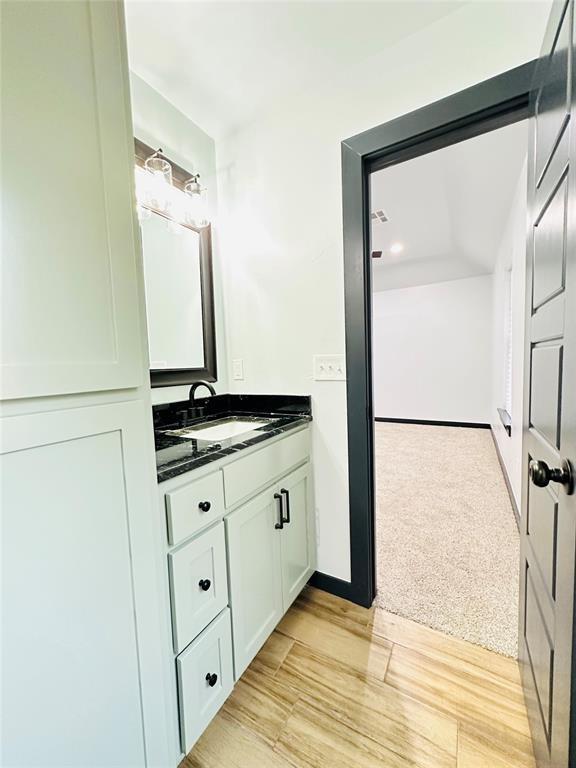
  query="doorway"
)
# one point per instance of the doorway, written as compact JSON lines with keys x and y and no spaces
{"x":448,"y":304}
{"x":491,"y":105}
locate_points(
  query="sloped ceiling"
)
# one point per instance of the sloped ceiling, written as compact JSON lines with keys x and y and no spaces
{"x":447,"y":208}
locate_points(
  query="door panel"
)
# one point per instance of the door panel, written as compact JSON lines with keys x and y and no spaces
{"x":71,"y":682}
{"x":541,"y":527}
{"x":549,"y":247}
{"x":254,"y":574}
{"x":545,"y":391}
{"x":70,"y":310}
{"x":295,"y":541}
{"x":548,"y":530}
{"x":553,"y":95}
{"x":548,"y":322}
{"x":540,"y":651}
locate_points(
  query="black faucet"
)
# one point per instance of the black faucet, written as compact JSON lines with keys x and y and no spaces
{"x":195,"y":386}
{"x":197,"y":411}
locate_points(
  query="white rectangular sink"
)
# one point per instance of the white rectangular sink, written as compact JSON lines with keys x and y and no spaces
{"x":223,"y":430}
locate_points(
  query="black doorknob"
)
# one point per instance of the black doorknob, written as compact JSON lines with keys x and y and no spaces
{"x":204,"y":506}
{"x":541,"y":474}
{"x":212,"y":679}
{"x":204,"y":584}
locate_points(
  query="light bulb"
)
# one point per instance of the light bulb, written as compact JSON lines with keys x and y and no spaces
{"x":159,"y":183}
{"x":196,"y":203}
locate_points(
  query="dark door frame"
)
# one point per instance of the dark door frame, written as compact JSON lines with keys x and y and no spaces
{"x":496,"y":102}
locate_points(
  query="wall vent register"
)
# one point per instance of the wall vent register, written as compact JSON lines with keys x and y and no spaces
{"x":379,"y":216}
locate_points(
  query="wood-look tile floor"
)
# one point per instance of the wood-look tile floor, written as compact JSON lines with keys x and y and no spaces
{"x":338,"y":686}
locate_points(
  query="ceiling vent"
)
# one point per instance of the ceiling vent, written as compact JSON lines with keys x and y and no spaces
{"x":379,"y":216}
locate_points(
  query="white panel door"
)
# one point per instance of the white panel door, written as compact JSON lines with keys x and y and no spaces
{"x":69,"y":303}
{"x":297,"y":541}
{"x":71,"y":522}
{"x":254,"y":573}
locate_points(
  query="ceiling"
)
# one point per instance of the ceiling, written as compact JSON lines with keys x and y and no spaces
{"x":222,"y":63}
{"x":448,"y":209}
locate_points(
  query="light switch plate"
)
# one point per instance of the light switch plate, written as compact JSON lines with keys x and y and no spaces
{"x":238,"y":369}
{"x":329,"y":368}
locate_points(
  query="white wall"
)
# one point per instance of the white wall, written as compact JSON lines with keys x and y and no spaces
{"x":432,"y":351}
{"x":511,"y":255}
{"x":159,"y":124}
{"x":280,"y":209}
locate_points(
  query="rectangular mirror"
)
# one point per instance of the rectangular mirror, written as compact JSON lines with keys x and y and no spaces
{"x":173,"y":294}
{"x":179,"y":292}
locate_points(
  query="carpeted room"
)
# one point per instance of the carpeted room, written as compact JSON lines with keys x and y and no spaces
{"x":447,"y":358}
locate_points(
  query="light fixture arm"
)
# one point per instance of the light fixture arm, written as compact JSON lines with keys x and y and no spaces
{"x":192,"y":186}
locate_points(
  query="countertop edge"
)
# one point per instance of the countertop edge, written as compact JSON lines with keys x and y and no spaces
{"x":199,"y":469}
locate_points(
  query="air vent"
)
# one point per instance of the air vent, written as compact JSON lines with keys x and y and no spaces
{"x":379,"y":216}
{"x":376,"y":254}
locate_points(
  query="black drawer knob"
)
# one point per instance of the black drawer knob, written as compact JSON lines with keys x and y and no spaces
{"x":204,"y":584}
{"x":204,"y":506}
{"x":212,"y":679}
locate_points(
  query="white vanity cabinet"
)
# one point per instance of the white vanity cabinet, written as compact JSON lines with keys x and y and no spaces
{"x":270,"y":558}
{"x":240,"y":547}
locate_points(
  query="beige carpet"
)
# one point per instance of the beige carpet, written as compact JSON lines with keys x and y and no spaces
{"x":446,"y":538}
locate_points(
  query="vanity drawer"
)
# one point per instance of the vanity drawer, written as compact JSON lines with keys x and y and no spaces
{"x":205,"y":678}
{"x":246,"y":476}
{"x":198,"y":584}
{"x":194,"y":506}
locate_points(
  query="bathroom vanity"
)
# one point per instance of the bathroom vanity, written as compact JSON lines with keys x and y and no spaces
{"x":235,"y":490}
{"x":234,"y":476}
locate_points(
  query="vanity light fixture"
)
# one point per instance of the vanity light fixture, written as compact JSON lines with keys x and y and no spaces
{"x":196,"y":209}
{"x":166,"y":188}
{"x":396,"y":248}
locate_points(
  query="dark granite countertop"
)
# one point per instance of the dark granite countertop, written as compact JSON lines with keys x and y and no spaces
{"x":176,"y":454}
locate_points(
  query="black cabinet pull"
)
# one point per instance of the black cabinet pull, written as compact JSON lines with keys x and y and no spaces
{"x":204,"y":506}
{"x":204,"y":584}
{"x":286,"y":494}
{"x":279,"y":525}
{"x":212,"y":679}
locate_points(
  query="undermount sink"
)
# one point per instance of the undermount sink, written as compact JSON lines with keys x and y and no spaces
{"x":223,"y":429}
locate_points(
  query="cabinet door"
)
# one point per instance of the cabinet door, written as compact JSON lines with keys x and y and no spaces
{"x":297,"y":540}
{"x":254,"y":572}
{"x":198,"y":584}
{"x":74,"y":509}
{"x":205,"y":679}
{"x":69,"y":294}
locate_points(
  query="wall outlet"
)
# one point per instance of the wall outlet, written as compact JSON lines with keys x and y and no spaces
{"x":329,"y":368}
{"x":238,"y":369}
